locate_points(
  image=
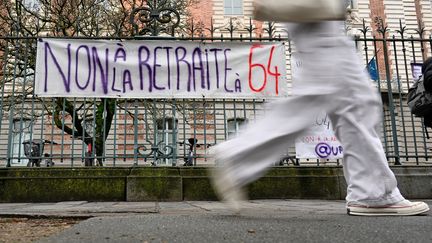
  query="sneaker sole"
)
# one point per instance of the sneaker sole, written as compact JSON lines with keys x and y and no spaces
{"x":409,"y":211}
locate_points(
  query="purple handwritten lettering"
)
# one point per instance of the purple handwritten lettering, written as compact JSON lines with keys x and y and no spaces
{"x":182,"y":60}
{"x":120,"y":54}
{"x":208,"y":69}
{"x":127,"y":79}
{"x":324,"y":150}
{"x":227,"y":69}
{"x":215,"y":51}
{"x":198,"y":66}
{"x":144,"y":62}
{"x":103,"y":72}
{"x":155,"y":66}
{"x":114,"y":81}
{"x":97,"y":63}
{"x":168,"y":65}
{"x":66,"y":80}
{"x":237,"y":84}
{"x":79,"y":63}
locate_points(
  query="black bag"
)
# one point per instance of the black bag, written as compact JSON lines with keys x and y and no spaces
{"x":420,"y":103}
{"x":420,"y":100}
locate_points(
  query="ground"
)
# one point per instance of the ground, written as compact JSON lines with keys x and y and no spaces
{"x":28,"y":229}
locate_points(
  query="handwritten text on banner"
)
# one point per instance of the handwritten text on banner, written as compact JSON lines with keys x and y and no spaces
{"x":159,"y":69}
{"x":319,"y":141}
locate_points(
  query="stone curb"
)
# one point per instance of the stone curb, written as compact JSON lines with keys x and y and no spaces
{"x":146,"y":184}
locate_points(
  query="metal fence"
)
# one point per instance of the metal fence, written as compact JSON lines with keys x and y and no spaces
{"x":397,"y":56}
{"x":175,"y":132}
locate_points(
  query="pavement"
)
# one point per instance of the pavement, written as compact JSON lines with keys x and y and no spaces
{"x":208,"y":221}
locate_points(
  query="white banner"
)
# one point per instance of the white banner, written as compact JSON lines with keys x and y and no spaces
{"x":319,"y":141}
{"x":159,"y":69}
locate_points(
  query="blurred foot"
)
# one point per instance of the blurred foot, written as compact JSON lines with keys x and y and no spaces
{"x":227,"y":191}
{"x":403,"y":208}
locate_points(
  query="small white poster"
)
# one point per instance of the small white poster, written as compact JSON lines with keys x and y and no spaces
{"x":319,"y":141}
{"x":416,"y":69}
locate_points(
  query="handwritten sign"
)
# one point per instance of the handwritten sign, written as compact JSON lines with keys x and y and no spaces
{"x":319,"y":142}
{"x":159,"y":69}
{"x":416,"y":69}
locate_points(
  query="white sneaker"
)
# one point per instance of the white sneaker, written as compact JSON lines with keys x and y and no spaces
{"x":227,"y":191}
{"x":403,"y":208}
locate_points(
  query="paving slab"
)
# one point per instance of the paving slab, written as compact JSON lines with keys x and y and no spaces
{"x":75,"y":209}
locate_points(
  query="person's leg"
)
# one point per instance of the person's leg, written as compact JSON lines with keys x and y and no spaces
{"x":246,"y":157}
{"x":331,"y":63}
{"x":372,"y":187}
{"x":369,"y":178}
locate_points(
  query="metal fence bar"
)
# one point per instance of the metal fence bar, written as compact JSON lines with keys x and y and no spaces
{"x":401,"y":111}
{"x":73,"y":134}
{"x":175,"y":131}
{"x":104,"y":115}
{"x":3,"y":85}
{"x":10,"y":155}
{"x":115,"y":134}
{"x":135,"y":140}
{"x":125,"y":130}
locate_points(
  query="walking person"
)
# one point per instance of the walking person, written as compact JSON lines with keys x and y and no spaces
{"x":332,"y":80}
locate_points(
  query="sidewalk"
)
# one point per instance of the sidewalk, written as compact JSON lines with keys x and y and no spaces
{"x":83,"y":209}
{"x":208,"y":221}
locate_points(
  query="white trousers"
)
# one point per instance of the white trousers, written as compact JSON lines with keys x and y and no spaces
{"x":332,"y":80}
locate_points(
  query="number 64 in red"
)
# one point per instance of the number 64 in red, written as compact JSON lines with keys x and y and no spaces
{"x":266,"y":70}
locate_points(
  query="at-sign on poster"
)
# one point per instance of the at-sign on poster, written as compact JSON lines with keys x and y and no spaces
{"x":319,"y":141}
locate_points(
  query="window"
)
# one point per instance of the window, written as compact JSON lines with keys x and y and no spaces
{"x":233,"y":7}
{"x":21,"y":133}
{"x":351,"y":4}
{"x":165,"y":136}
{"x":234,"y":125}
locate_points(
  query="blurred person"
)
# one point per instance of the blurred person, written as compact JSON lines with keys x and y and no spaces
{"x":332,"y":80}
